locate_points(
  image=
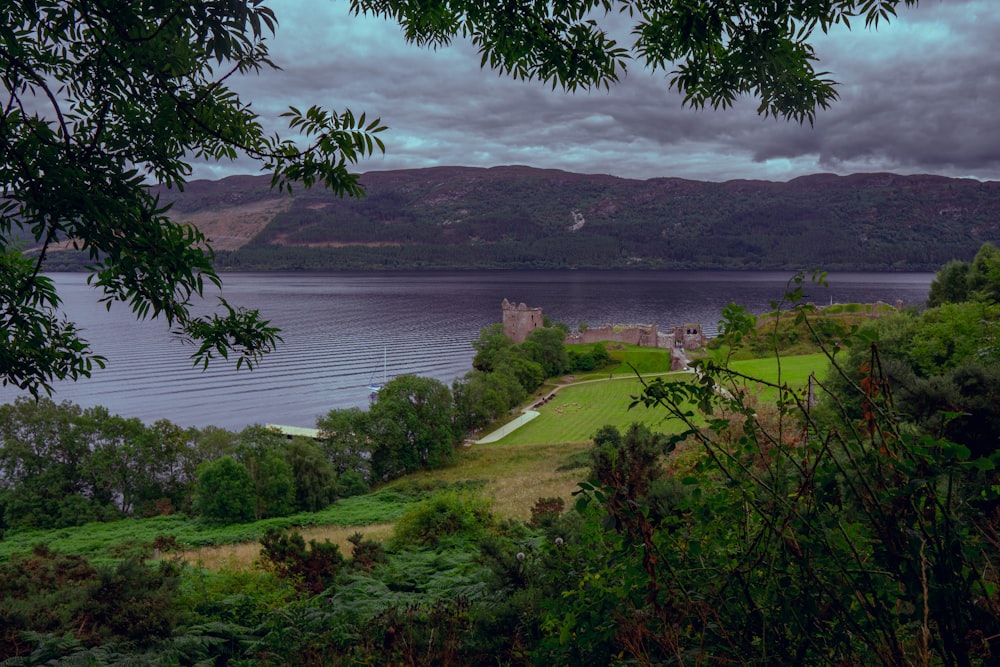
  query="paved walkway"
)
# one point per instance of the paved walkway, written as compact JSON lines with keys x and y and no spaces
{"x":525,"y":417}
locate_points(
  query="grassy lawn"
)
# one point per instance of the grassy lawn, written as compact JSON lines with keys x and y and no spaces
{"x":625,"y":357}
{"x":793,"y":371}
{"x":578,"y":410}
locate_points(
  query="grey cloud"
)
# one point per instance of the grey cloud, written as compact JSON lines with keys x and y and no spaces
{"x":917,"y":96}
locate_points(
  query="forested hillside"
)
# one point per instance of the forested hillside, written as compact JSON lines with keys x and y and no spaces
{"x":520,"y":217}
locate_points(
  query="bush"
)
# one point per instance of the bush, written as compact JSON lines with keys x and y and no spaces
{"x":365,"y":554}
{"x":446,"y":514}
{"x":313,"y":569}
{"x":546,"y":511}
{"x":351,"y":483}
{"x":65,"y":595}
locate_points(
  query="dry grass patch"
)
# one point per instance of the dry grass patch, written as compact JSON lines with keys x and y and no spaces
{"x":513,"y":477}
{"x":244,"y":556}
{"x":232,"y":557}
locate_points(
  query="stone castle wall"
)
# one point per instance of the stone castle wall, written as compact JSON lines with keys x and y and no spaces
{"x":519,"y":320}
{"x":643,"y":335}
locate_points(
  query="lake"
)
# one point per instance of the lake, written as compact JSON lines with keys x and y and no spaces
{"x":339,"y":327}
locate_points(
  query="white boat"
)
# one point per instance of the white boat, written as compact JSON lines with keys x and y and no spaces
{"x":374,"y":387}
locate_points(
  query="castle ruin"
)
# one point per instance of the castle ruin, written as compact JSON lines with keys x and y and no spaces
{"x":520,"y":320}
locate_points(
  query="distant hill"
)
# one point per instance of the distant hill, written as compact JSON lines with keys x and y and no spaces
{"x":521,"y":217}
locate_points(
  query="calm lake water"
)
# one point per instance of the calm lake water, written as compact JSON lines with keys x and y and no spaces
{"x":338,"y":327}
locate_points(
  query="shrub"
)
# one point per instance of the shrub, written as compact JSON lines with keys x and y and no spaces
{"x":65,"y":595}
{"x":313,"y":569}
{"x":446,"y":514}
{"x":365,"y":554}
{"x":351,"y":483}
{"x":546,"y":510}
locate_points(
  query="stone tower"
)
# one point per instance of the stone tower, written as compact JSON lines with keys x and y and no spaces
{"x":519,"y":320}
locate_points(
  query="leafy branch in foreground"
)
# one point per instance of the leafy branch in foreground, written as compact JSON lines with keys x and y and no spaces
{"x":100,"y":98}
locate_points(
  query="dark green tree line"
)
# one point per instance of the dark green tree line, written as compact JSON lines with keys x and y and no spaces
{"x":505,"y":373}
{"x":62,"y":465}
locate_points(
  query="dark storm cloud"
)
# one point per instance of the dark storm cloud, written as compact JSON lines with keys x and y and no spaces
{"x":919,"y":95}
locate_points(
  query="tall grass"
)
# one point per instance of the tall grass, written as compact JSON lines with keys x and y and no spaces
{"x":100,"y":541}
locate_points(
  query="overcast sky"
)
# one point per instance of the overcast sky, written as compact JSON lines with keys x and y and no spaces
{"x":921,"y":95}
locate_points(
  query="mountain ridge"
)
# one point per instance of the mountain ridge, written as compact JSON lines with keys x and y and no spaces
{"x":514,"y":216}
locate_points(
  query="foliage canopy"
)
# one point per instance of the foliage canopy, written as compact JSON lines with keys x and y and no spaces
{"x":719,"y":50}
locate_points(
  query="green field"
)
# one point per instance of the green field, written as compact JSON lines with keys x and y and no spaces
{"x":577,"y":411}
{"x":793,"y":370}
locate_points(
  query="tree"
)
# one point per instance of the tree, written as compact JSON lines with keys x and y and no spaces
{"x":941,"y":370}
{"x":978,"y":280}
{"x":315,"y":480}
{"x":628,"y":464}
{"x":984,"y":274}
{"x":261,"y":450}
{"x":120,"y":467}
{"x":530,"y":374}
{"x":545,"y":347}
{"x":225,"y":491}
{"x":950,"y":285}
{"x":102,"y":97}
{"x":482,"y":397}
{"x":41,"y":464}
{"x":176,"y":451}
{"x":412,"y":426}
{"x":345,"y":436}
{"x":492,"y":342}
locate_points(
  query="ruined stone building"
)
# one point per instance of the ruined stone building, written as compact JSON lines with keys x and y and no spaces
{"x":687,"y":336}
{"x":519,"y":320}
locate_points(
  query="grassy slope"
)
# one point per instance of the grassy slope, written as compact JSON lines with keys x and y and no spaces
{"x":116,"y":538}
{"x":793,"y":371}
{"x":533,"y":462}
